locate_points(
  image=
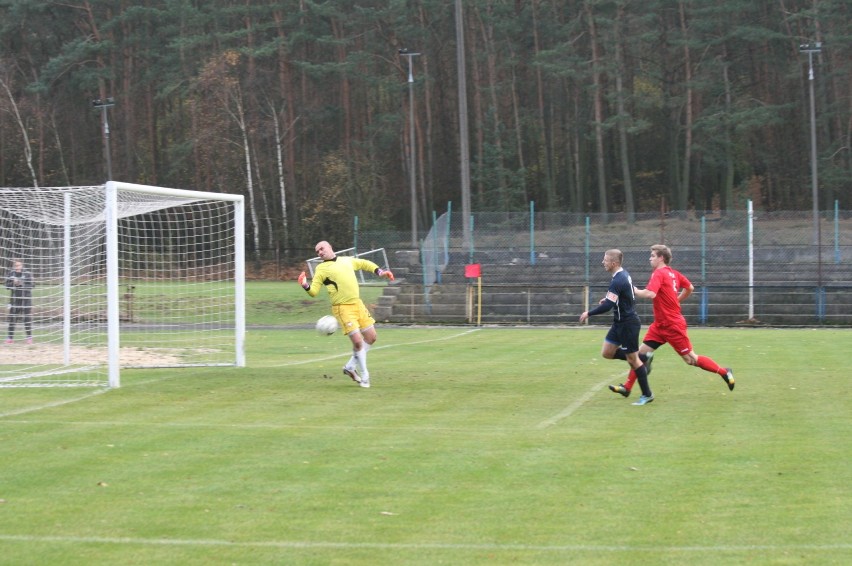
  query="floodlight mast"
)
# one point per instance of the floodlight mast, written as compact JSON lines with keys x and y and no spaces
{"x":411,"y":158}
{"x":810,"y":49}
{"x":104,"y":105}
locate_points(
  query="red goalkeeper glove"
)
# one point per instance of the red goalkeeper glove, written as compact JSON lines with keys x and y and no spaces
{"x":303,"y":281}
{"x":385,"y":273}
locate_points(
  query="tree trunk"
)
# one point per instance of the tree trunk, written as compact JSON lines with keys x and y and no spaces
{"x":598,"y":94}
{"x":519,"y":139}
{"x":28,"y":150}
{"x":684,"y":188}
{"x":478,"y":118}
{"x":282,"y":180}
{"x":544,"y":125}
{"x":238,"y":113}
{"x":494,"y":109}
{"x":425,"y":144}
{"x":728,"y":182}
{"x":629,"y":205}
{"x":285,"y":141}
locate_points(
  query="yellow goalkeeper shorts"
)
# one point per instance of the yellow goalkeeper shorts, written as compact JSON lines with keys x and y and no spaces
{"x":353,"y":316}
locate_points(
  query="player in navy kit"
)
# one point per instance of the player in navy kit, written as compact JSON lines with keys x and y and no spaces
{"x":623,"y":336}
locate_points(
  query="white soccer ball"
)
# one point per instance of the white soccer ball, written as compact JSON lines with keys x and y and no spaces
{"x":327,"y":325}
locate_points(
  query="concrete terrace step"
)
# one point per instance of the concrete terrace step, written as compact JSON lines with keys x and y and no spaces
{"x":533,"y":303}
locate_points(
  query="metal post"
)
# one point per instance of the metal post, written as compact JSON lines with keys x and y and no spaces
{"x":810,"y":49}
{"x":471,"y":239}
{"x":464,"y":136}
{"x":104,"y":105}
{"x":587,"y":249}
{"x":532,"y":232}
{"x":750,"y":207}
{"x":836,"y":231}
{"x":411,"y":144}
{"x":702,"y":310}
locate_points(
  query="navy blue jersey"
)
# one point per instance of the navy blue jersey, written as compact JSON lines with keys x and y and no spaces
{"x":619,"y":298}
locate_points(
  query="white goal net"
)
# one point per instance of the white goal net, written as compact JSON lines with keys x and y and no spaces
{"x":100,"y":278}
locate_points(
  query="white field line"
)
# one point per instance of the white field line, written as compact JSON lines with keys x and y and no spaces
{"x":579,"y":402}
{"x":382,"y":347}
{"x":697,"y":549}
{"x":569,"y":410}
{"x":25,"y":410}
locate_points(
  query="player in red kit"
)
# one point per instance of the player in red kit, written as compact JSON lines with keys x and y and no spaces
{"x":668,"y":287}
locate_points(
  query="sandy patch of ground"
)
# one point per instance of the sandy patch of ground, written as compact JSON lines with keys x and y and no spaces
{"x":37,"y":354}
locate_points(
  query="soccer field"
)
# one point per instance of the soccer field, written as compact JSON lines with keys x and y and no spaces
{"x":474,"y":446}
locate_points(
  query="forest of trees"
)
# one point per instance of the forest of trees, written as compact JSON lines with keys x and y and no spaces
{"x":303,"y":105}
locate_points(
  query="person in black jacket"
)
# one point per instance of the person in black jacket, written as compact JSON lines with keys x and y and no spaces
{"x":20,"y":284}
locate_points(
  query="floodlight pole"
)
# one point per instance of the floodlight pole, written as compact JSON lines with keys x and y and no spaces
{"x":411,"y":170}
{"x":810,"y":49}
{"x":104,"y":105}
{"x":464,"y":138}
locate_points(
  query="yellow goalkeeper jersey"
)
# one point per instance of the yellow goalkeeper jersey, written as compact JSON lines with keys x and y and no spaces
{"x":338,"y":276}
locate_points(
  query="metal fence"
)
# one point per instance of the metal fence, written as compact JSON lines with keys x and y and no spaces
{"x":710,"y":247}
{"x":754,"y":261}
{"x":744,"y":256}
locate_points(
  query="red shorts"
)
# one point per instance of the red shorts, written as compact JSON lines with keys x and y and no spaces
{"x":673,"y":334}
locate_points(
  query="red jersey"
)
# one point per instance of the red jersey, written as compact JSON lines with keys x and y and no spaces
{"x":667,"y":283}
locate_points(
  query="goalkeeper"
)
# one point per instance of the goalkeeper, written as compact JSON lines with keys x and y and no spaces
{"x":337,"y":274}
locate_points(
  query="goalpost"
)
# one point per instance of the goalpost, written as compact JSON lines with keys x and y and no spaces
{"x":124,"y":275}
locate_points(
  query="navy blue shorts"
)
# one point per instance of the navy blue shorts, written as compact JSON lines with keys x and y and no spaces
{"x":625,"y":334}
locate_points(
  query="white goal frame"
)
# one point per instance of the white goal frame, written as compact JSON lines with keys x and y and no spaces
{"x":113,"y":214}
{"x":111,"y":220}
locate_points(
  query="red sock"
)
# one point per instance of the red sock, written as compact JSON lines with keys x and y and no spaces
{"x":631,"y":379}
{"x":707,"y":364}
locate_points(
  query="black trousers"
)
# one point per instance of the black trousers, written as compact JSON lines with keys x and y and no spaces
{"x":20,"y":314}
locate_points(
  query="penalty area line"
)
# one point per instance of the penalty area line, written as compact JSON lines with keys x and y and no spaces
{"x":579,"y":402}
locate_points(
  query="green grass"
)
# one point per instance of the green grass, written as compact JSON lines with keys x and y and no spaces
{"x":490,"y":446}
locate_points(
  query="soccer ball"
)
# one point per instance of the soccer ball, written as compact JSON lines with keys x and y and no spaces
{"x":327,"y":325}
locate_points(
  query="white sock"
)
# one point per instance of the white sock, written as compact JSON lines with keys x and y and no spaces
{"x":361,"y":358}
